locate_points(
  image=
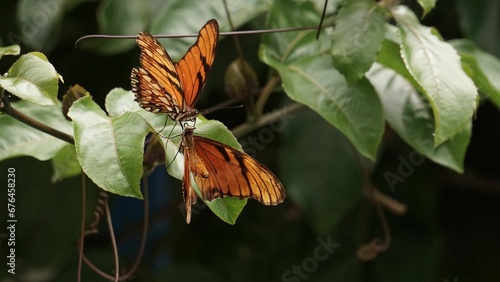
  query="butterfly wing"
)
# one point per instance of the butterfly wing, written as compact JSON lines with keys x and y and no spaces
{"x":150,"y":94}
{"x":193,"y":68}
{"x":229,"y":172}
{"x":156,"y":84}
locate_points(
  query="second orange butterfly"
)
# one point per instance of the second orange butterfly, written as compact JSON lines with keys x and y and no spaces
{"x":220,"y":170}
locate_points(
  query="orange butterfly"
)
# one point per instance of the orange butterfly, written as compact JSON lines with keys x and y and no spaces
{"x":220,"y":170}
{"x":163,"y":86}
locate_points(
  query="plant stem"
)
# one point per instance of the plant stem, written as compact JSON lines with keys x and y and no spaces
{"x":247,"y":127}
{"x":7,"y":108}
{"x":264,"y":96}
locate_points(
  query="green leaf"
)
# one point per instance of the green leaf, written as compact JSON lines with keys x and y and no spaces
{"x":410,"y":117}
{"x":289,"y":46}
{"x":327,"y":183}
{"x":10,"y":50}
{"x":435,"y":65}
{"x":120,"y":101}
{"x":483,"y":68}
{"x":390,"y":56}
{"x":353,"y":109}
{"x":110,"y":150}
{"x":311,"y":79}
{"x":227,"y":208}
{"x":110,"y":15}
{"x":479,"y":21}
{"x":19,"y":139}
{"x":65,"y":164}
{"x":427,"y":5}
{"x":40,"y":23}
{"x":32,"y":78}
{"x":171,"y":19}
{"x":357,"y":38}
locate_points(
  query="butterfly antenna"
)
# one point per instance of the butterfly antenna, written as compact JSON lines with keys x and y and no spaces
{"x":175,"y":156}
{"x":168,"y":136}
{"x":217,"y":108}
{"x":172,"y":161}
{"x":165,"y":125}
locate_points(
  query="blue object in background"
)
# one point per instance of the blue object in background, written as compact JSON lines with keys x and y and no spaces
{"x":128,"y":219}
